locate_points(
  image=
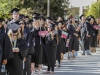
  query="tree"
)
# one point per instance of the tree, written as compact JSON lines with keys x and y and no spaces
{"x":73,"y":11}
{"x":94,"y":9}
{"x":27,"y":7}
{"x":6,"y":6}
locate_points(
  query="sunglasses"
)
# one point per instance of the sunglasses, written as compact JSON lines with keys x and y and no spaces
{"x":21,"y":23}
{"x":15,"y":34}
{"x":48,"y":27}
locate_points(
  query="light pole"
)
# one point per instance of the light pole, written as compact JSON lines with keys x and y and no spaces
{"x":80,"y":10}
{"x":48,"y":8}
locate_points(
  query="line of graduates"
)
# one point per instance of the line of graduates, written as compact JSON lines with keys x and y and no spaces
{"x":24,"y":51}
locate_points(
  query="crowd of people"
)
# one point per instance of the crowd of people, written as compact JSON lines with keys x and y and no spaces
{"x":28,"y":44}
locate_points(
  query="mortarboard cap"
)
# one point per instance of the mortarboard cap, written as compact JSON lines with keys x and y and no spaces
{"x":89,"y":18}
{"x":60,"y":22}
{"x":15,"y":10}
{"x":36,"y":15}
{"x":50,"y":18}
{"x":26,"y":16}
{"x":43,"y":18}
{"x":36,"y":18}
{"x":31,"y":20}
{"x":14,"y":27}
{"x":82,"y":16}
{"x":56,"y":23}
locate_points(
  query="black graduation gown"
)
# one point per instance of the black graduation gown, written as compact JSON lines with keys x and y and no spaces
{"x":59,"y":45}
{"x":73,"y":40}
{"x":37,"y":57}
{"x":93,"y":37}
{"x":87,"y":39}
{"x":50,"y":50}
{"x":27,"y":70}
{"x":63,"y":45}
{"x":15,"y":65}
{"x":6,"y":46}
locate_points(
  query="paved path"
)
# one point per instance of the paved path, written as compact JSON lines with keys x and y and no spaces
{"x":82,"y":65}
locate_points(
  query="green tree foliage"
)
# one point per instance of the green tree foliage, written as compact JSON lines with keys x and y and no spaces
{"x":6,"y":6}
{"x":94,"y":9}
{"x":73,"y":11}
{"x":57,"y":7}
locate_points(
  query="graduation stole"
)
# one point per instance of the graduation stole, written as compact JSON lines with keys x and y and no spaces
{"x":74,"y":25}
{"x":14,"y":42}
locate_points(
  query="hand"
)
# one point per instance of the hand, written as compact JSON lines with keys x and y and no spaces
{"x":88,"y":35}
{"x":24,"y":59}
{"x":16,"y":49}
{"x":76,"y":34}
{"x":52,"y":38}
{"x":96,"y":28}
{"x":43,"y":35}
{"x":13,"y":49}
{"x":4,"y":62}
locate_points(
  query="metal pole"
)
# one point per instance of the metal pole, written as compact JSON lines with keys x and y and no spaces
{"x":81,"y":10}
{"x":48,"y":8}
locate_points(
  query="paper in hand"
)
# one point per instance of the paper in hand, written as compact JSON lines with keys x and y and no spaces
{"x":43,"y":33}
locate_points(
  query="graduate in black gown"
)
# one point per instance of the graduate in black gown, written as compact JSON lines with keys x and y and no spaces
{"x":51,"y":49}
{"x":36,"y":58}
{"x":19,"y":48}
{"x":87,"y":36}
{"x":93,"y":37}
{"x":58,"y":54}
{"x":15,"y":17}
{"x":60,"y":47}
{"x":73,"y":37}
{"x":27,"y":60}
{"x":6,"y":51}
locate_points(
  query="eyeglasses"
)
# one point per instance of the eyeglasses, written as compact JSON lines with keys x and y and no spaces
{"x":21,"y":23}
{"x":15,"y":34}
{"x":48,"y":27}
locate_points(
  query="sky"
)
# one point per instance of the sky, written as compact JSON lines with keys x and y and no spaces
{"x":79,"y":3}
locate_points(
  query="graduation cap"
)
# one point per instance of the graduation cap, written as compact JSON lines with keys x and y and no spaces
{"x":26,"y":16}
{"x":92,"y":16}
{"x":1,"y":20}
{"x":36,"y":15}
{"x":36,"y":18}
{"x":56,"y":23}
{"x":82,"y":16}
{"x":15,"y":10}
{"x":31,"y":20}
{"x":89,"y":18}
{"x":50,"y":18}
{"x":14,"y":27}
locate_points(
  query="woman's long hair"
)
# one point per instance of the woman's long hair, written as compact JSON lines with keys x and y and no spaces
{"x":10,"y":34}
